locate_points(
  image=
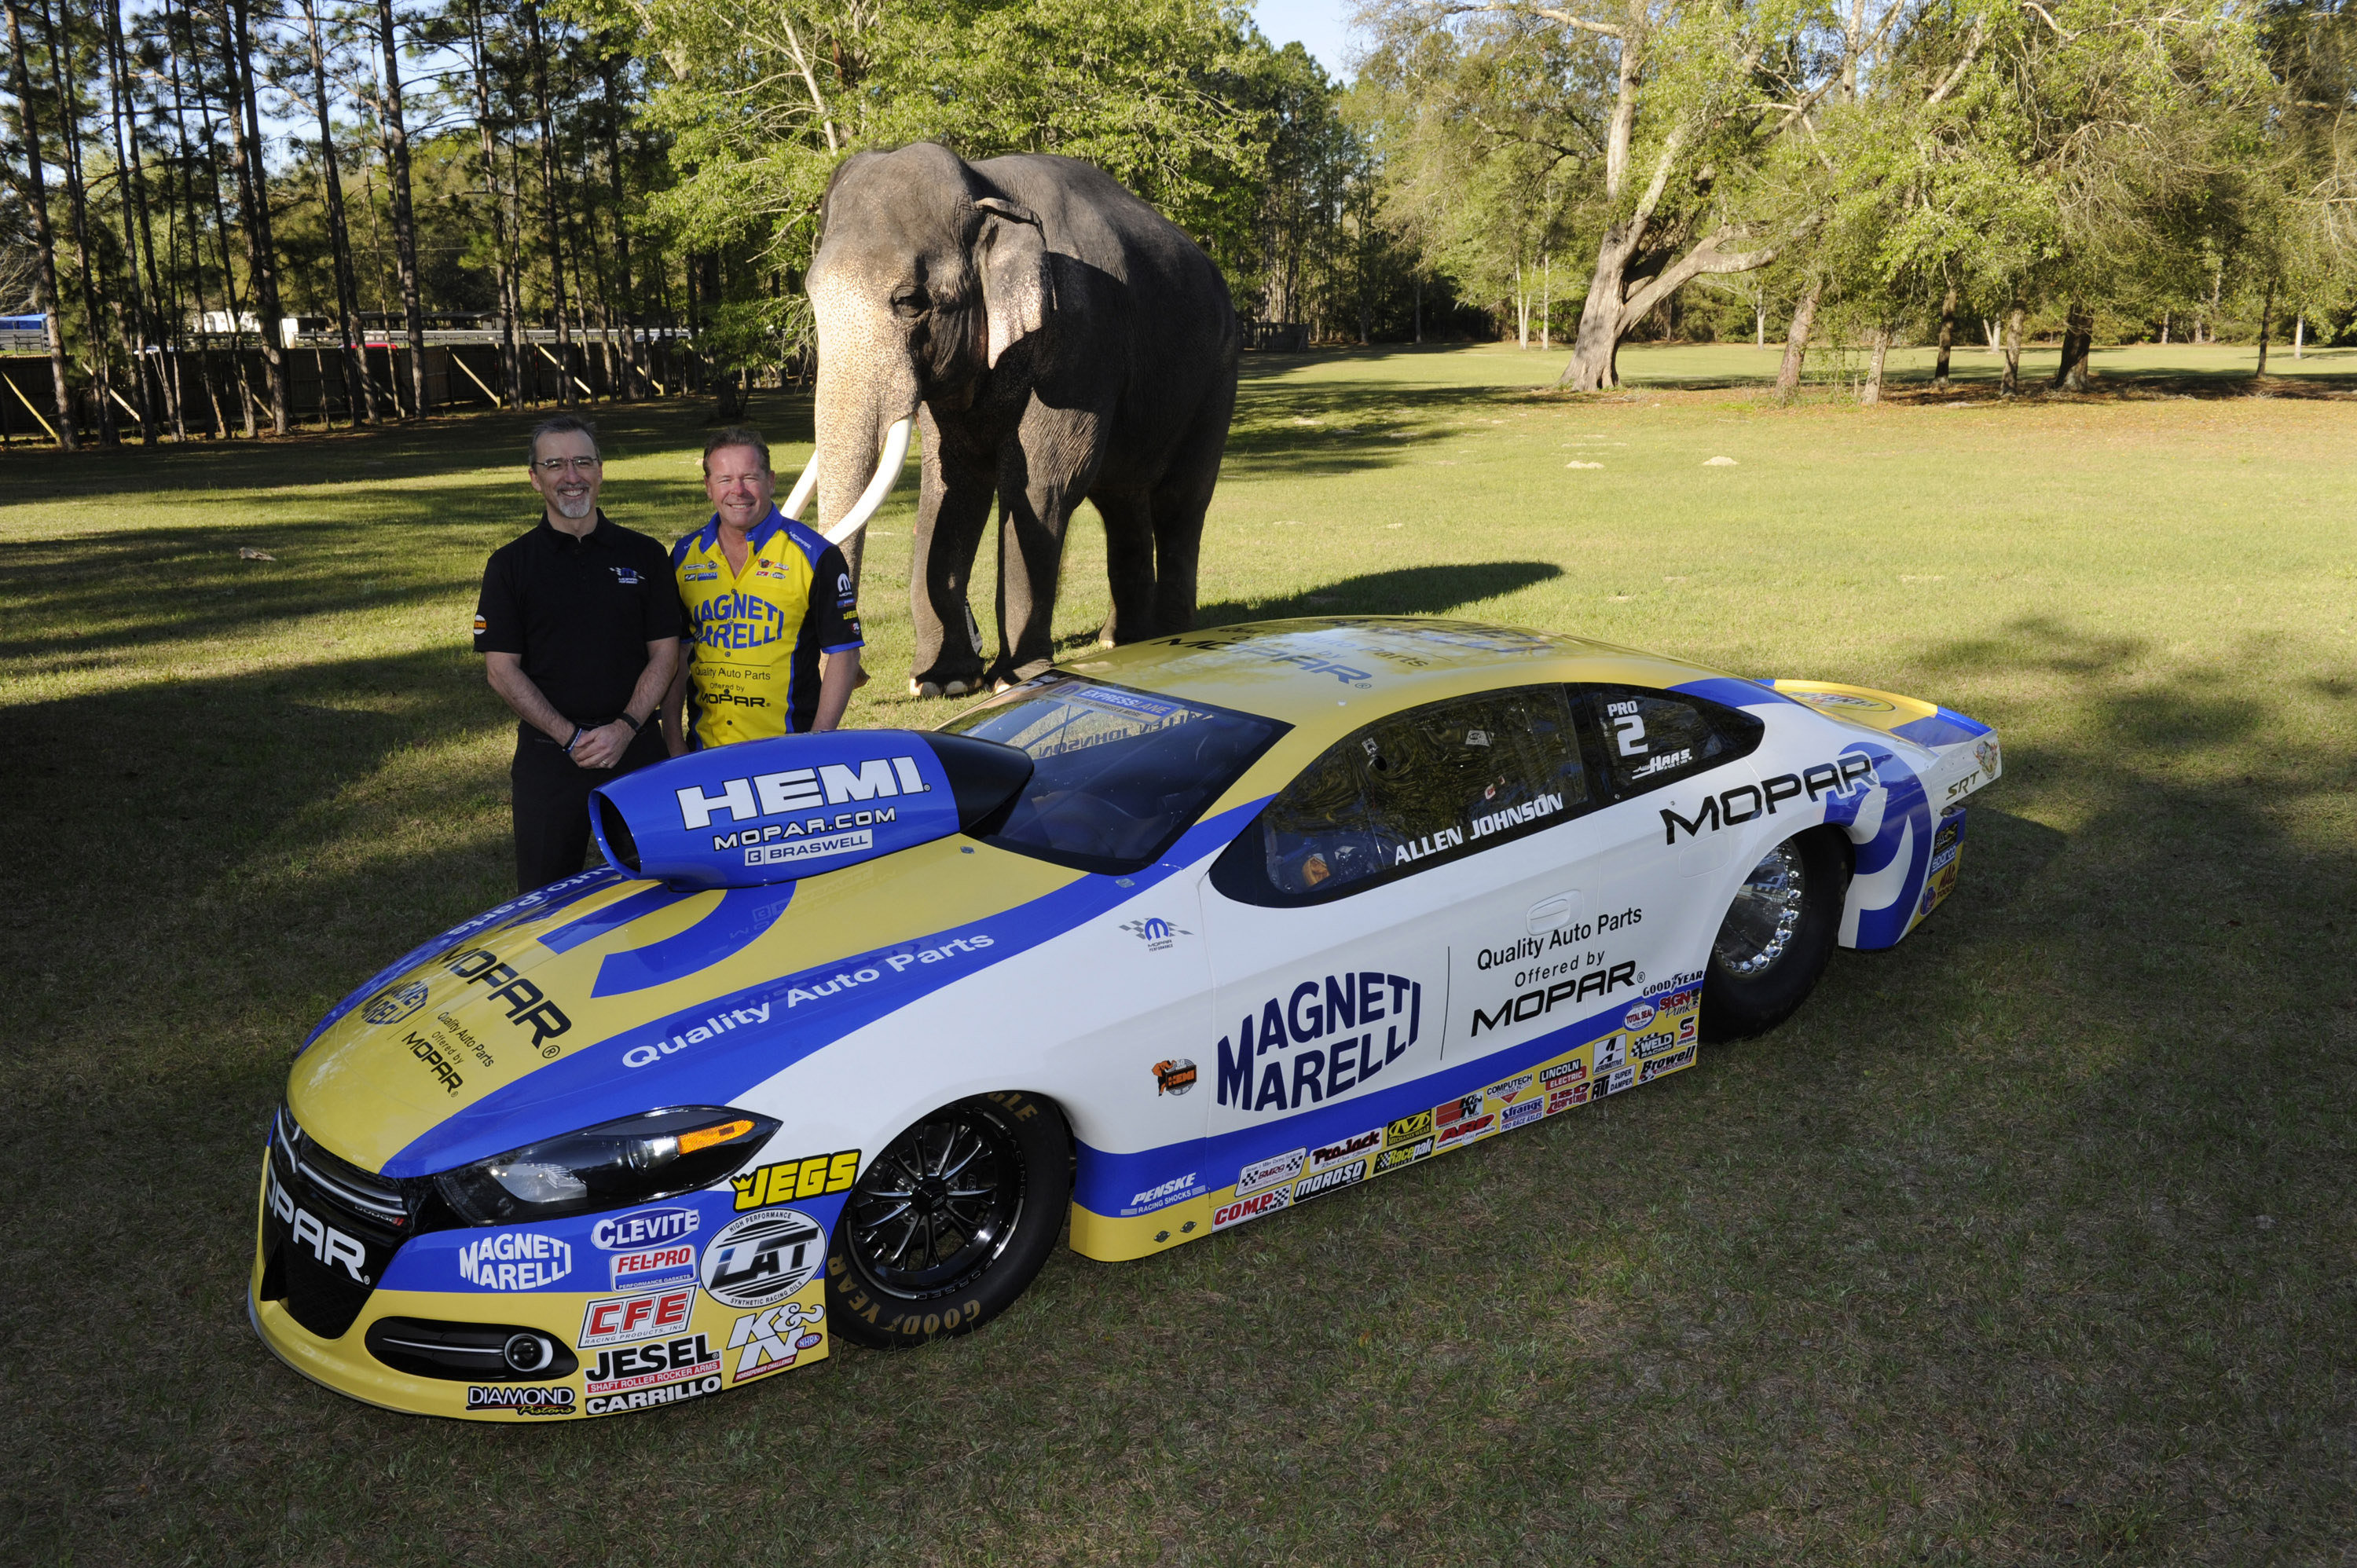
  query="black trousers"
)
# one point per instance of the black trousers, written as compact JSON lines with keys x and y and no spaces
{"x":552,"y":803}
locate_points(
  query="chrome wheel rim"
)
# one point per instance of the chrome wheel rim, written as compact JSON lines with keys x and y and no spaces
{"x":1766,"y":915}
{"x":939,"y":1206}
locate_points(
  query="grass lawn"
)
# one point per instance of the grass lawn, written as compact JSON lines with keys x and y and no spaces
{"x":2032,"y":1241}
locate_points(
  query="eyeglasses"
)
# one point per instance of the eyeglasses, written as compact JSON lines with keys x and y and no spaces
{"x":559,"y":465}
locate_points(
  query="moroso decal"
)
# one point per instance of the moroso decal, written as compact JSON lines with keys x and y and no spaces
{"x":1371,"y":1017}
{"x":1342,"y":1175}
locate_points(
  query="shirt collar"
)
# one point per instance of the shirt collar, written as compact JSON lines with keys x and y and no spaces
{"x":602,"y":533}
{"x":756,"y":536}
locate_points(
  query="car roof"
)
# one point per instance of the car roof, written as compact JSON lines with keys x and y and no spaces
{"x":1317,"y":674}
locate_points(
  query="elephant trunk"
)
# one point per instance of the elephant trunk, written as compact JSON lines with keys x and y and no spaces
{"x":860,"y":417}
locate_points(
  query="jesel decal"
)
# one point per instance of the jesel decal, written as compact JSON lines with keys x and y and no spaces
{"x":1385,"y":1013}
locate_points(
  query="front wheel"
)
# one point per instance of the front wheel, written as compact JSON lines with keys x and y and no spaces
{"x":946,"y":1227}
{"x":1776,"y":937}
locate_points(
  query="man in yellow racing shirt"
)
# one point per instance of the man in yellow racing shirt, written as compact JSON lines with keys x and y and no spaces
{"x":765,"y":598}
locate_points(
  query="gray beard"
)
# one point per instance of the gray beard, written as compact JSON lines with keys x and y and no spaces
{"x":571,"y":508}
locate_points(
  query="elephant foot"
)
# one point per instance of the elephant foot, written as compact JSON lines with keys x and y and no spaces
{"x":941,"y":688}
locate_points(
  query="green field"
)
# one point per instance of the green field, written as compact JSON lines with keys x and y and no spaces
{"x":2033,"y":1241}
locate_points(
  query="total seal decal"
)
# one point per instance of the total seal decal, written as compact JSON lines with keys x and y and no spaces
{"x":761,"y":1258}
{"x":1366,"y":1020}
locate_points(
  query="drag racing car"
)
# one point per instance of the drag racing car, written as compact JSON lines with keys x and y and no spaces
{"x":852,"y":1027}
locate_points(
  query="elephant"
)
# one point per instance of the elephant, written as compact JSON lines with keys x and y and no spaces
{"x":1056,"y":340}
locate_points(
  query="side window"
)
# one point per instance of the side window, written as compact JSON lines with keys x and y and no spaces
{"x":1651,"y":738}
{"x":1436,"y":783}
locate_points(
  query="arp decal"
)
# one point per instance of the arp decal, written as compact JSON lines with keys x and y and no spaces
{"x":814,"y":1176}
{"x":762,"y":1257}
{"x":622,"y":1319}
{"x":773,"y":1340}
{"x":1745,"y":801}
{"x":1371,"y":1019}
{"x":1466,"y":1129}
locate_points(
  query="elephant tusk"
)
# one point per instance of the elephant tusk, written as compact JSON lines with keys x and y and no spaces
{"x":888,"y":471}
{"x":804,"y":488}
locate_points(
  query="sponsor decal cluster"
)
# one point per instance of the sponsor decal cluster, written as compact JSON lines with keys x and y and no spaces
{"x":515,"y":1260}
{"x":1178,"y":1189}
{"x":760,"y":1258}
{"x":526,"y":1007}
{"x":1745,"y":801}
{"x":774,"y":1339}
{"x":627,"y":1368}
{"x":521,"y":1399}
{"x":624,"y":1319}
{"x":813,"y":1175}
{"x":1660,"y":1065}
{"x":1355,"y":1024}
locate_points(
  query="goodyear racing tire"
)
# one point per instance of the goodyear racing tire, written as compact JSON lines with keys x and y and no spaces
{"x":949,"y":1224}
{"x":1778,"y":935}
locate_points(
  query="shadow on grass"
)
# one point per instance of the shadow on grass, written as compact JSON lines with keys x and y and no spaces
{"x":1406,"y":591}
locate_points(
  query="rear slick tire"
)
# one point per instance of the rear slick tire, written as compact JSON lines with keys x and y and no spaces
{"x":1778,"y":934}
{"x":947,"y":1225}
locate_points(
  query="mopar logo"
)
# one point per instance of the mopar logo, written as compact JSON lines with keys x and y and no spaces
{"x":1530,"y":1003}
{"x":1745,"y":801}
{"x":524,"y":1002}
{"x":648,"y":1225}
{"x":802,"y":790}
{"x":330,"y":1246}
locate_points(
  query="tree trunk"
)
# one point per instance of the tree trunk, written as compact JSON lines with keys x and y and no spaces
{"x":2010,"y":383}
{"x":1947,"y":339}
{"x":2164,"y":328}
{"x":628,"y":290}
{"x":1591,"y":367}
{"x":2078,"y":338}
{"x":102,"y":382}
{"x":1420,"y":307}
{"x":548,"y":200}
{"x":1873,"y":389}
{"x":1796,"y":341}
{"x":253,"y":192}
{"x":2267,"y":312}
{"x":359,"y":394}
{"x":220,"y":238}
{"x":394,"y":130}
{"x":195,"y":230}
{"x":45,"y":251}
{"x":502,"y":262}
{"x":2299,"y":336}
{"x":124,"y":126}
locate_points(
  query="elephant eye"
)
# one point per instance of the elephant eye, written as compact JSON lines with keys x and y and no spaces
{"x":910,"y":303}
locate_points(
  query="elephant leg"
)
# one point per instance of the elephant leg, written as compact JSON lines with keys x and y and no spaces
{"x":1129,"y":565}
{"x":1177,"y":505}
{"x":1041,"y":480}
{"x":953,"y":511}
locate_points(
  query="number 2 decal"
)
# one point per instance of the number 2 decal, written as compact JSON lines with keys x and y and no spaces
{"x":1631,"y":731}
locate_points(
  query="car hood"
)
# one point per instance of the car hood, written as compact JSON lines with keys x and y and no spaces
{"x":604,"y":995}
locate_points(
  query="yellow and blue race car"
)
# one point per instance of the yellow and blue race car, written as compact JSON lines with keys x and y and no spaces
{"x":1155,"y":944}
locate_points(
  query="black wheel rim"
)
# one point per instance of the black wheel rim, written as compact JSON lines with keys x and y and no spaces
{"x":940,"y":1206}
{"x":1766,"y":914}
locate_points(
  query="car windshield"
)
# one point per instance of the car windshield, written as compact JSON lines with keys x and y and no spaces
{"x":1117,"y":775}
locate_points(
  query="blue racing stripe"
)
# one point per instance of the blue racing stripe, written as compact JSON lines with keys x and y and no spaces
{"x":663,"y":1063}
{"x":742,"y":918}
{"x":612,"y":918}
{"x":1733,"y":692}
{"x":1945,"y":729}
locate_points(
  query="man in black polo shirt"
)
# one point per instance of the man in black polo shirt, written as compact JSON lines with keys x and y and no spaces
{"x":578,"y":625}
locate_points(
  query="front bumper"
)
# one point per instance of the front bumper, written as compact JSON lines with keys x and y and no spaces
{"x":608,"y":1322}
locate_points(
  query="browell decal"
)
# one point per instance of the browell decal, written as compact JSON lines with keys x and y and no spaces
{"x":1660,"y":1065}
{"x":620,"y":1319}
{"x":1366,"y":1019}
{"x":800,"y":789}
{"x":526,"y":1004}
{"x":1745,"y":802}
{"x":789,"y":1179}
{"x":773,"y":1340}
{"x":515,"y":1260}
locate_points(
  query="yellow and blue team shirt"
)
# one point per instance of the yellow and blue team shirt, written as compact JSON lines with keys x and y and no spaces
{"x":754,"y":640}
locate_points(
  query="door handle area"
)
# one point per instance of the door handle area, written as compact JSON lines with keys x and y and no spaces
{"x":1554,"y":911}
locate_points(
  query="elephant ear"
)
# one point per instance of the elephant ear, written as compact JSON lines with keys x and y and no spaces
{"x":1018,"y":291}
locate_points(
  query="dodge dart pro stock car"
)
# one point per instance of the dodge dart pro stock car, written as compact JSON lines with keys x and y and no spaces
{"x":1157,"y":943}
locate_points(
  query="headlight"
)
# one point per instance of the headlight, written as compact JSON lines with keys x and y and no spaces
{"x":635,"y":1160}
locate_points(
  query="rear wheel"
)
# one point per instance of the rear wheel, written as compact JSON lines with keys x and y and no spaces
{"x":1776,"y":939}
{"x":945,"y":1228}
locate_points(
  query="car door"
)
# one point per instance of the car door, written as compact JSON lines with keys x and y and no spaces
{"x":1329,"y":926}
{"x":1604,"y":990}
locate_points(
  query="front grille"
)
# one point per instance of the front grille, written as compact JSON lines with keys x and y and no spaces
{"x":474,"y":1353}
{"x":336,"y":1180}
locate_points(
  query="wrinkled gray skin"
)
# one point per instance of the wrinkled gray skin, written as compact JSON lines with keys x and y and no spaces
{"x":1058,"y":340}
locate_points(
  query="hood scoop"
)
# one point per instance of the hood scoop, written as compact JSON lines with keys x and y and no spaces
{"x":774,"y":810}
